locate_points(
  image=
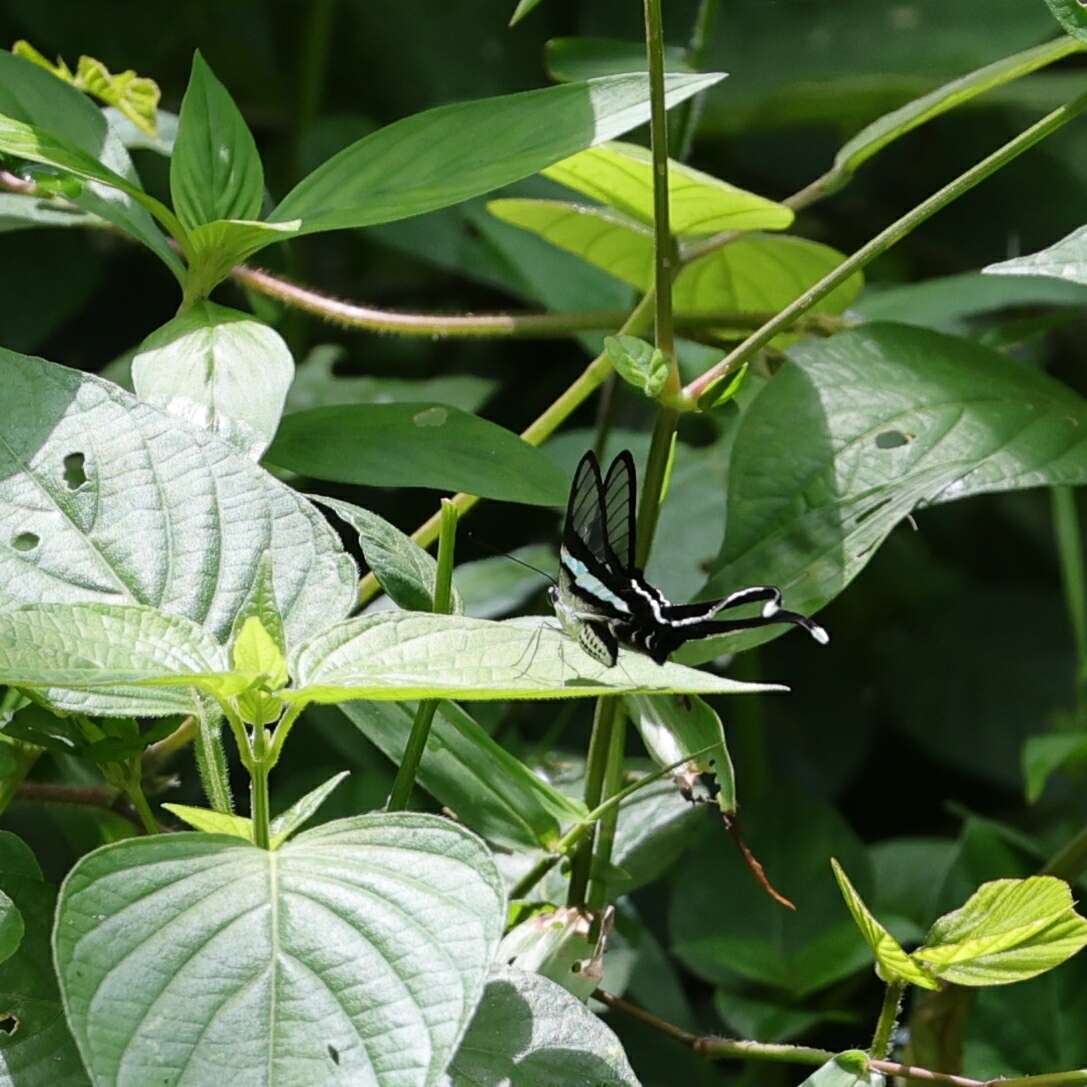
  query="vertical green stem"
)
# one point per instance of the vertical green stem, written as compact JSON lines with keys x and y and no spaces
{"x":883,"y":1039}
{"x":424,"y":714}
{"x":613,"y":782}
{"x":1070,"y":552}
{"x":135,"y":794}
{"x":260,"y":811}
{"x":690,"y":113}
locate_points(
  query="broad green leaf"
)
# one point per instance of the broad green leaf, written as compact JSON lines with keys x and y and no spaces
{"x":216,"y":247}
{"x":1010,"y":930}
{"x":405,"y":571}
{"x":1066,"y":259}
{"x":12,"y":928}
{"x":94,"y":658}
{"x":416,"y":445}
{"x":530,"y":1032}
{"x":723,"y":924}
{"x":748,"y":1015}
{"x":317,"y":384}
{"x":56,"y":118}
{"x":409,"y":655}
{"x":573,"y":59}
{"x":678,"y":726}
{"x":309,"y":947}
{"x":303,"y":809}
{"x":451,"y":153}
{"x":18,"y":212}
{"x":620,"y":175}
{"x":213,"y":822}
{"x":849,"y":1069}
{"x":638,"y":363}
{"x":754,"y":274}
{"x":1045,"y":755}
{"x":487,"y":788}
{"x":40,"y":1051}
{"x":219,"y":369}
{"x":808,"y":505}
{"x":103,"y":498}
{"x":215,"y":170}
{"x":892,"y":962}
{"x":876,"y":136}
{"x":1071,"y":15}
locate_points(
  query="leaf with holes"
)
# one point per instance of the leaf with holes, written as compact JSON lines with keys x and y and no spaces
{"x":190,"y":957}
{"x":1066,"y":259}
{"x":1010,"y":930}
{"x":621,"y":176}
{"x":36,"y":1049}
{"x":446,"y":155}
{"x":219,"y":369}
{"x":404,"y":570}
{"x":416,"y":445}
{"x":530,"y":1032}
{"x":408,"y":655}
{"x":809,"y":504}
{"x":103,"y":498}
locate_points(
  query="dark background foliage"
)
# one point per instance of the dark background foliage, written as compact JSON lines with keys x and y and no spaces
{"x":950,"y":650}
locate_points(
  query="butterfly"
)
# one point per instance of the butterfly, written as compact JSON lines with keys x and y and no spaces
{"x":602,"y":598}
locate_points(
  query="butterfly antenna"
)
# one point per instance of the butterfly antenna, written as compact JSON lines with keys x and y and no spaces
{"x":513,"y":558}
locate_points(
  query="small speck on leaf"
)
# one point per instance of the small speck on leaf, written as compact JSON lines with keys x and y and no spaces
{"x":25,"y":541}
{"x":431,"y":417}
{"x":892,"y":439}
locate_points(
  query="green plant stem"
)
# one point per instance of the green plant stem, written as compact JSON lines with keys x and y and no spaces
{"x":597,"y":896}
{"x":689,"y":113}
{"x":888,"y":238}
{"x":883,"y":1039}
{"x":424,"y":713}
{"x":1070,"y":552}
{"x":135,"y":794}
{"x":313,"y":63}
{"x":260,"y":811}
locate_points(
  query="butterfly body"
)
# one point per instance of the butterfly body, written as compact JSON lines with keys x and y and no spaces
{"x":602,"y":598}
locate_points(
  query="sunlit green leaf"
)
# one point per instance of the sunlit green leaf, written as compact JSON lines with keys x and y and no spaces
{"x":621,"y":176}
{"x":892,"y":962}
{"x":409,"y":655}
{"x":413,"y":166}
{"x":321,"y":924}
{"x":416,"y":445}
{"x":213,"y":822}
{"x":215,"y":248}
{"x":303,"y":809}
{"x":638,"y":363}
{"x":1066,"y":259}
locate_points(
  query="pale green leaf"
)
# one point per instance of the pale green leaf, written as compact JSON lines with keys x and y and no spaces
{"x":12,"y":928}
{"x":133,"y":96}
{"x":215,"y":170}
{"x":105,"y":498}
{"x":19,"y":212}
{"x":487,"y":788}
{"x":255,"y":651}
{"x":809,"y":504}
{"x":620,"y":175}
{"x":71,"y":125}
{"x":345,"y":921}
{"x":95,"y":658}
{"x":1072,"y":15}
{"x":162,"y":143}
{"x":213,"y":822}
{"x":409,"y":655}
{"x":530,"y":1032}
{"x":876,"y":136}
{"x":446,"y":155}
{"x":303,"y":809}
{"x":556,"y":944}
{"x":404,"y":570}
{"x":754,"y":274}
{"x":1066,"y":259}
{"x":215,"y":248}
{"x":892,"y":962}
{"x":638,"y":363}
{"x":849,"y":1069}
{"x":572,"y":59}
{"x":1010,"y":930}
{"x":219,"y":369}
{"x":416,"y":445}
{"x":1045,"y":755}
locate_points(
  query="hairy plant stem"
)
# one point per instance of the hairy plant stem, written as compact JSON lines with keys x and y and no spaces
{"x":1070,"y":552}
{"x":424,"y":713}
{"x":883,"y":1039}
{"x":886,"y":239}
{"x":135,"y":794}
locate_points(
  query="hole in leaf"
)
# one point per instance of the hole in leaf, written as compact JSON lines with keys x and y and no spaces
{"x":25,"y":541}
{"x":892,"y":439}
{"x":74,"y":475}
{"x":334,"y":1053}
{"x":9,"y":1024}
{"x":871,"y":511}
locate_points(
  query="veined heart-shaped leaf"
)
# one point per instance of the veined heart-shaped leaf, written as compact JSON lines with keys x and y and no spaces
{"x":397,"y":656}
{"x":528,"y":1032}
{"x":1010,"y":930}
{"x":446,"y":155}
{"x":809,"y":504}
{"x":356,"y":953}
{"x":621,"y":176}
{"x":94,"y":658}
{"x":219,"y":369}
{"x":103,"y":498}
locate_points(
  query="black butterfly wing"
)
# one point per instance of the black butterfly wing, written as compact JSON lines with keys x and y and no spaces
{"x":584,"y":528}
{"x":620,"y":487}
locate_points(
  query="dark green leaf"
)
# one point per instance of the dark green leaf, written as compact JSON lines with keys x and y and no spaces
{"x":416,"y":445}
{"x":215,"y":170}
{"x":451,"y":153}
{"x":1045,"y":755}
{"x":1072,"y":15}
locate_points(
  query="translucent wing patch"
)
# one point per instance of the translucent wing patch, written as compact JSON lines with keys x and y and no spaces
{"x":619,"y":525}
{"x":585,"y":510}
